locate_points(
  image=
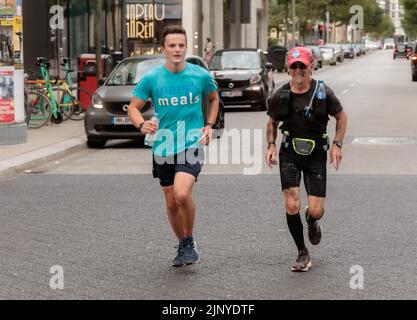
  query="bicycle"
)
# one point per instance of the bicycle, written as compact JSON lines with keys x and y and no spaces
{"x":38,"y":109}
{"x":73,"y":106}
{"x":61,"y":92}
{"x":56,"y":117}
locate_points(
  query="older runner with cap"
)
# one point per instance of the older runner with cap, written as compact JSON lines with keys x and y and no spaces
{"x":303,"y":107}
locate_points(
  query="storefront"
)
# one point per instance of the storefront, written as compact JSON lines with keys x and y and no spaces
{"x":46,"y":35}
{"x":129,"y":27}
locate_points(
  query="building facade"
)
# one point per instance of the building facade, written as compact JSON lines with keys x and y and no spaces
{"x":65,"y":28}
{"x":396,"y":12}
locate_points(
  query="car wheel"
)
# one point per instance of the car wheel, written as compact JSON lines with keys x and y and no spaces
{"x":96,"y":143}
{"x":414,"y":76}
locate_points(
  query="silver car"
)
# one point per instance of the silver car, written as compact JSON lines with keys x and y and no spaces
{"x":107,"y":117}
{"x":329,"y":55}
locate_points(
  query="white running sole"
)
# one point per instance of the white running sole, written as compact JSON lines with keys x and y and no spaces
{"x":309,"y":265}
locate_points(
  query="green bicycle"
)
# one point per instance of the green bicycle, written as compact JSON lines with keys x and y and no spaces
{"x":72,"y":99}
{"x":56,"y":116}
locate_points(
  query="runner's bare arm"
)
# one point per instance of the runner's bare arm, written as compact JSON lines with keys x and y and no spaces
{"x":135,"y":116}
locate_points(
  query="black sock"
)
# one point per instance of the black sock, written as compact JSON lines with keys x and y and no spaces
{"x":188,"y":239}
{"x":296,"y":228}
{"x":311,"y":220}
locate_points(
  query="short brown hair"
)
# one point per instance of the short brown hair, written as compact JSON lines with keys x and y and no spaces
{"x":172,"y":29}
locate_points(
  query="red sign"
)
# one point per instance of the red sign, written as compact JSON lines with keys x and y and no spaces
{"x":7,"y":107}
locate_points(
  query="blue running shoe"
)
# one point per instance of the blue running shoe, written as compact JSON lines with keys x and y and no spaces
{"x":179,"y":259}
{"x":190,"y":255}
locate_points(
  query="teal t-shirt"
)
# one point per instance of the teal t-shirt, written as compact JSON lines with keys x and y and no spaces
{"x":177,"y":98}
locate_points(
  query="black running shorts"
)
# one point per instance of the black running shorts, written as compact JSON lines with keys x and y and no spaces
{"x":165,"y":168}
{"x":312,"y":167}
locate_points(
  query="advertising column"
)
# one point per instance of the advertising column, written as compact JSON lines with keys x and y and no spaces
{"x":13,"y":129}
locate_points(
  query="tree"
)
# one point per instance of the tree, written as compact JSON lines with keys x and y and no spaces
{"x":409,"y":22}
{"x":278,"y":16}
{"x":311,"y":11}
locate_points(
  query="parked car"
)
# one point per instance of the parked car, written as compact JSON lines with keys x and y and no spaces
{"x":400,"y":51}
{"x":371,"y":45}
{"x":348,"y":51}
{"x":413,"y":59}
{"x":244,"y":77}
{"x":362,"y":48}
{"x":389,"y":43}
{"x":317,"y":57}
{"x":329,"y":56}
{"x":107,"y":117}
{"x":358,"y":49}
{"x":338,"y":51}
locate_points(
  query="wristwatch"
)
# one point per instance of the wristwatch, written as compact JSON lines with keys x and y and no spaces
{"x":338,"y":143}
{"x":140,"y":126}
{"x":210,"y":124}
{"x":269,"y":144}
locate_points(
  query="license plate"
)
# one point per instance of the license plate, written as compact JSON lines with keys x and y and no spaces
{"x":123,"y":121}
{"x":231,"y":94}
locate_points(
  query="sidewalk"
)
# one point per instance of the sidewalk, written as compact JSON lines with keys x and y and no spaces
{"x":45,"y":144}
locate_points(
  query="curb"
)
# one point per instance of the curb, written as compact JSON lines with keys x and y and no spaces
{"x":42,"y":156}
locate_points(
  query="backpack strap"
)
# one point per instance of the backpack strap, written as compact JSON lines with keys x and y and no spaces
{"x":309,"y":108}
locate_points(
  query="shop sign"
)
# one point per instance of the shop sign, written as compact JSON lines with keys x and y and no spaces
{"x":141,"y":19}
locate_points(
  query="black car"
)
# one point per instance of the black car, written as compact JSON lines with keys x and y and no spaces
{"x":413,"y":59}
{"x":107,"y":117}
{"x":400,"y":51}
{"x":244,"y":77}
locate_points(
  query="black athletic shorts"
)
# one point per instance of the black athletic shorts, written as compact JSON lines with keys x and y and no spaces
{"x":190,"y":161}
{"x":312,"y":166}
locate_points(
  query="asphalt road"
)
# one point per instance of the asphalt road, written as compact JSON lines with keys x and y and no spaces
{"x":100,"y":215}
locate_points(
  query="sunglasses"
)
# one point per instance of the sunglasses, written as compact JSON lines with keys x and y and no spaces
{"x":298,"y":65}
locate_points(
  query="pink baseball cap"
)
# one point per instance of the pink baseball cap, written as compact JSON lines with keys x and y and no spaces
{"x":300,"y":54}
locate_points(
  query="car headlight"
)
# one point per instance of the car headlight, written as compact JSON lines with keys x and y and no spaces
{"x":97,"y":102}
{"x":255,"y":78}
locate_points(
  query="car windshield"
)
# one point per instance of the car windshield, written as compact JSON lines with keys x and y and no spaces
{"x":233,"y":60}
{"x":130,"y":71}
{"x":326,"y":50}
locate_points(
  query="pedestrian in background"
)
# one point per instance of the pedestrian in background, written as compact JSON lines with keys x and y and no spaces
{"x":177,"y":90}
{"x":208,"y":51}
{"x":303,"y":106}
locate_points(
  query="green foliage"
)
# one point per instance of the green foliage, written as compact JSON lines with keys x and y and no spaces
{"x":409,"y":22}
{"x":314,"y":10}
